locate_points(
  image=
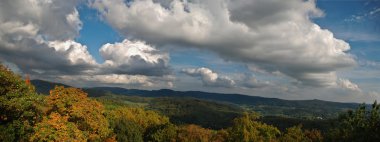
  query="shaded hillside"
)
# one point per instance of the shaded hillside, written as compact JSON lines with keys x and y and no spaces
{"x":309,"y":109}
{"x":181,"y":110}
{"x":233,"y":98}
{"x":285,"y":122}
{"x":194,"y":111}
{"x":44,"y":87}
{"x":306,"y":109}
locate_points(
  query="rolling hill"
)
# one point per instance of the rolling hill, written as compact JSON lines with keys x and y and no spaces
{"x":305,"y":109}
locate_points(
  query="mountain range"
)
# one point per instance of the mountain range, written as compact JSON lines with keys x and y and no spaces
{"x":310,"y":109}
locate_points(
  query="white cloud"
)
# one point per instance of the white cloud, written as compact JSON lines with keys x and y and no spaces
{"x":38,"y":36}
{"x":347,"y":84}
{"x":134,"y":57}
{"x":210,"y":78}
{"x":358,"y":36}
{"x":375,"y":11}
{"x":253,"y":82}
{"x":75,"y":52}
{"x":363,"y":16}
{"x":54,"y":19}
{"x":271,"y":36}
{"x":126,"y":81}
{"x":109,"y":79}
{"x":275,"y":35}
{"x":73,"y":20}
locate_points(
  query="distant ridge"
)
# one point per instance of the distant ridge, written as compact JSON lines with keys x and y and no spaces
{"x":231,"y":98}
{"x":45,"y":86}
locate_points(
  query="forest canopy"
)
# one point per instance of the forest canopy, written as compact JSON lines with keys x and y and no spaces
{"x":68,"y":114}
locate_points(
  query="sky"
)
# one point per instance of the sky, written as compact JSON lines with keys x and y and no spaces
{"x":293,"y":49}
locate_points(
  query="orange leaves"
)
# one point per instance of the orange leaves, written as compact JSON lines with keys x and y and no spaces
{"x":144,"y":118}
{"x":56,"y":120}
{"x":71,"y":112}
{"x":246,"y":128}
{"x":190,"y":133}
{"x":27,"y":79}
{"x":56,"y":128}
{"x":314,"y":135}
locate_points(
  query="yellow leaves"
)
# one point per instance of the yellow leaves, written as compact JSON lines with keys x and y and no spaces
{"x":57,"y":128}
{"x":191,"y":133}
{"x":144,"y":118}
{"x":111,"y":139}
{"x":314,"y":135}
{"x":70,"y":111}
{"x":56,"y":120}
{"x":247,"y":129}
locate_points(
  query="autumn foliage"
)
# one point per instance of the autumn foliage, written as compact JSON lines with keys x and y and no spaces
{"x":19,"y":107}
{"x":67,"y":114}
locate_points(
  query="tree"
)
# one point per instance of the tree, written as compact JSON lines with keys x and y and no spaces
{"x":220,"y":136}
{"x":246,"y":129}
{"x":161,"y":133}
{"x":144,"y":118}
{"x":19,"y":107}
{"x":131,"y":124}
{"x":294,"y":134}
{"x":357,"y":126}
{"x":71,"y":108}
{"x":314,"y":135}
{"x":193,"y":133}
{"x":128,"y":131}
{"x":57,"y":128}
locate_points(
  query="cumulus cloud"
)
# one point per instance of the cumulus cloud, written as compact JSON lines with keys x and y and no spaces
{"x":347,"y":84}
{"x":252,"y":82}
{"x":75,"y":52}
{"x":52,"y":19}
{"x":210,"y":78}
{"x":134,"y":57}
{"x":38,"y":37}
{"x":274,"y":35}
{"x":126,"y":81}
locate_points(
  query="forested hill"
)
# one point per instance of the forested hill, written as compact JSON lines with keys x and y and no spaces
{"x":265,"y":106}
{"x":68,"y":114}
{"x":44,"y":86}
{"x":232,"y":98}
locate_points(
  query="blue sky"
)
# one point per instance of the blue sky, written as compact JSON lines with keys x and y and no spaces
{"x":353,"y":22}
{"x":95,"y":32}
{"x":326,"y":49}
{"x":338,"y":18}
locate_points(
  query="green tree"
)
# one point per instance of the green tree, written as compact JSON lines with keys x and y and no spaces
{"x":144,"y":118}
{"x":19,"y":107}
{"x":246,"y":129}
{"x":314,"y":135}
{"x":125,"y":118}
{"x":358,"y":126}
{"x":128,"y":131}
{"x":294,"y":134}
{"x":193,"y":133}
{"x":220,"y":136}
{"x":161,"y":133}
